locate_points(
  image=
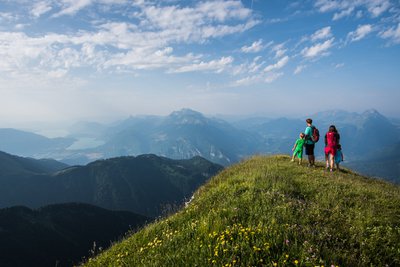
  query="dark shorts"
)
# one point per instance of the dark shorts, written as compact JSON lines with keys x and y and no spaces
{"x":310,"y":149}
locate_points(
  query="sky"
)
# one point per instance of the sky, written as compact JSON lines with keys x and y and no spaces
{"x":101,"y":60}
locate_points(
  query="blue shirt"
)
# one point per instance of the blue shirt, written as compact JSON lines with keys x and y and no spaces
{"x":308,"y":132}
{"x":338,"y":156}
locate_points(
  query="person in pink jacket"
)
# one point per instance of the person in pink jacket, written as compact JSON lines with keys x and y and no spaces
{"x":332,"y":139}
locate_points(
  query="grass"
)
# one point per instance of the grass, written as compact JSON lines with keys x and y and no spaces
{"x":267,"y":211}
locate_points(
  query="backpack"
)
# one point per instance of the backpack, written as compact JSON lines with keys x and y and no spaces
{"x":315,"y":134}
{"x":331,"y":139}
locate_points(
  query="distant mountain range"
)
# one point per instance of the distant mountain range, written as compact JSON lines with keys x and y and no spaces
{"x":181,"y":135}
{"x":147,"y":184}
{"x":384,"y":163}
{"x":60,"y":235}
{"x":29,"y":144}
{"x":186,"y":133}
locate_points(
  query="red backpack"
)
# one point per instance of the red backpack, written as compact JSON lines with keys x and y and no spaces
{"x":315,"y":134}
{"x":331,"y":139}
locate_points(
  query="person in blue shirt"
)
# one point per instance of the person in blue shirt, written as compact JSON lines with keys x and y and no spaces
{"x":339,"y":157}
{"x":309,"y":143}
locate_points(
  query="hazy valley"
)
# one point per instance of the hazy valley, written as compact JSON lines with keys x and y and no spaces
{"x":367,"y":138}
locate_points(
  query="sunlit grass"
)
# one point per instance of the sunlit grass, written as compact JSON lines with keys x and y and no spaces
{"x":267,"y":211}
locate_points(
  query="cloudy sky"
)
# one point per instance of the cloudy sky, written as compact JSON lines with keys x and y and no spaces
{"x":64,"y":60}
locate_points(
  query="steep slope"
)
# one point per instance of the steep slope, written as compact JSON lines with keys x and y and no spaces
{"x":147,"y":184}
{"x":59,"y":235}
{"x":267,"y":211}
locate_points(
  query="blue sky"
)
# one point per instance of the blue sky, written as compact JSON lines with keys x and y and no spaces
{"x":102,"y":60}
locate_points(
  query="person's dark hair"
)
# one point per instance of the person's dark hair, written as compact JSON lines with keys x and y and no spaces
{"x":309,"y":121}
{"x":332,"y":128}
{"x":339,"y":146}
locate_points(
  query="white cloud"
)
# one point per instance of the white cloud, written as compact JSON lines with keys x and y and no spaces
{"x":360,"y":33}
{"x":258,"y":78}
{"x":327,"y":5}
{"x":299,"y":69}
{"x":146,"y":58}
{"x":272,"y":77}
{"x":279,"y":50}
{"x":20,"y":26}
{"x":278,"y":65}
{"x":223,"y":10}
{"x":378,"y":7}
{"x":321,"y":34}
{"x":122,"y":45}
{"x":393,"y":34}
{"x":339,"y":65}
{"x":255,"y":65}
{"x":213,"y":65}
{"x":253,"y":73}
{"x":58,"y":73}
{"x":6,"y":16}
{"x":317,"y":50}
{"x":344,"y":8}
{"x":248,"y":68}
{"x":246,"y":81}
{"x":198,"y":23}
{"x":40,"y":8}
{"x":71,"y":7}
{"x":223,"y":30}
{"x":254,"y":47}
{"x":343,"y":13}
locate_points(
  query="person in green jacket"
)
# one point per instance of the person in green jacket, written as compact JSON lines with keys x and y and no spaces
{"x":298,"y":148}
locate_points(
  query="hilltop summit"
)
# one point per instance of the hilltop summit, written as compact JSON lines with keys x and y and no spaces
{"x":267,"y":211}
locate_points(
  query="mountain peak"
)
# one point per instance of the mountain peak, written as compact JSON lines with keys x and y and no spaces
{"x":371,"y":112}
{"x":186,"y":112}
{"x":188,"y":116}
{"x":372,"y":115}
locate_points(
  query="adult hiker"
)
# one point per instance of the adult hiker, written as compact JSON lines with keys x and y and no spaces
{"x":312,"y":136}
{"x":332,"y":139}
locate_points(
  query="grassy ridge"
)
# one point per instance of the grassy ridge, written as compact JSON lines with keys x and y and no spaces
{"x":267,"y":211}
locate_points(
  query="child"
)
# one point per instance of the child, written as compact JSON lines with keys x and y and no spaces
{"x":338,"y":156}
{"x":298,"y":148}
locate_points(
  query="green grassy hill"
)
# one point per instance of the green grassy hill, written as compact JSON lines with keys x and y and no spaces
{"x":267,"y":211}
